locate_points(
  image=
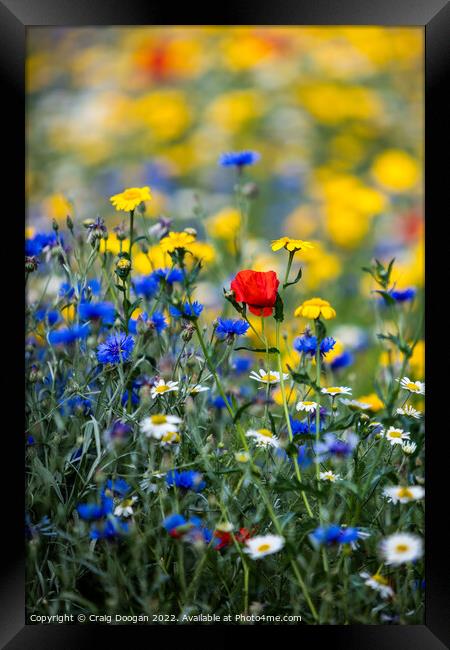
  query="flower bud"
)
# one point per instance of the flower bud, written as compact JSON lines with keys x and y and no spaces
{"x":251,"y":190}
{"x":123,"y":267}
{"x":31,"y":264}
{"x":188,"y":332}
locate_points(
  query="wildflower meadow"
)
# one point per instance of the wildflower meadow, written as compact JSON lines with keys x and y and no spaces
{"x":225,"y":369}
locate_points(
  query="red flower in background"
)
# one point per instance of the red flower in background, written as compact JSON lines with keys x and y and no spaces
{"x":257,"y":289}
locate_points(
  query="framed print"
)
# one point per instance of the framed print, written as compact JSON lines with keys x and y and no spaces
{"x":227,"y":263}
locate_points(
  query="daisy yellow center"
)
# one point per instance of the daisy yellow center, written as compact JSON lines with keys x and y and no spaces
{"x":379,"y":578}
{"x":263,"y":547}
{"x":129,"y":195}
{"x":269,"y":377}
{"x":170,"y":436}
{"x":265,"y":432}
{"x":401,"y":548}
{"x":395,"y":434}
{"x":335,"y":389}
{"x":412,"y":386}
{"x":307,"y":403}
{"x":126,"y":503}
{"x":162,"y":389}
{"x":159,"y":419}
{"x":405,"y":493}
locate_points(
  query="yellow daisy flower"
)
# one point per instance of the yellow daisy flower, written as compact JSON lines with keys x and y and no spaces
{"x":314,"y":308}
{"x":291,"y":245}
{"x":129,"y":199}
{"x":176,"y":240}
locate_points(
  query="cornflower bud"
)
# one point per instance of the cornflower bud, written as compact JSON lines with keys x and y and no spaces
{"x":31,"y":263}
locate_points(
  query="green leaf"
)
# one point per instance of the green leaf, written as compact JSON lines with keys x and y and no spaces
{"x":270,"y":350}
{"x":279,"y":309}
{"x":303,"y":378}
{"x":241,"y":410}
{"x":297,"y":279}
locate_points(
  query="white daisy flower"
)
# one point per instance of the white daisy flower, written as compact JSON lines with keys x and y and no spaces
{"x":155,"y":426}
{"x":401,"y":547}
{"x":379,"y":583}
{"x":263,"y":437}
{"x":417,"y":387}
{"x":163,"y":387}
{"x":267,"y":376}
{"x":170,"y":438}
{"x":410,"y":411}
{"x":125,"y":507}
{"x":409,"y":447}
{"x":404,"y":494}
{"x":263,"y":545}
{"x":242,"y":456}
{"x":329,"y":476}
{"x":198,"y":389}
{"x":396,"y":436}
{"x":306,"y":406}
{"x":337,"y":390}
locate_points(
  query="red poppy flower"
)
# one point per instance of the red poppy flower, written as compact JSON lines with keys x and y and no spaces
{"x":244,"y":534}
{"x":257,"y":289}
{"x":224,"y":539}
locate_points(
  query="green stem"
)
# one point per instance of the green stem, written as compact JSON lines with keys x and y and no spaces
{"x":318,"y":360}
{"x":288,"y":419}
{"x":246,"y":581}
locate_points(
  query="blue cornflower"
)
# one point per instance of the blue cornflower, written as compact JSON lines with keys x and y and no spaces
{"x":219,"y":403}
{"x":108,"y":529}
{"x":238,"y":158}
{"x":307,"y":344}
{"x":119,"y":432}
{"x":104,"y":311}
{"x":51,"y":316}
{"x":231,"y":327}
{"x":35,"y":245}
{"x":116,"y":349}
{"x":186,"y":310}
{"x":404,"y":295}
{"x":198,"y":533}
{"x":304,"y":457}
{"x":118,"y":487}
{"x":67,"y":291}
{"x":79,"y":404}
{"x":134,"y":397}
{"x":69,"y":334}
{"x":172,"y":522}
{"x":187,"y":480}
{"x":156,"y":321}
{"x":146,"y":286}
{"x":334,"y":534}
{"x":342,"y":361}
{"x":335,"y":448}
{"x":31,"y":441}
{"x":93,"y":511}
{"x":159,"y":321}
{"x":299,"y":427}
{"x":242,"y":365}
{"x":169,"y":275}
{"x":191,"y":530}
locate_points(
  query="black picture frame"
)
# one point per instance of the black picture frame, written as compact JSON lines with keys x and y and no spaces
{"x":434,"y":16}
